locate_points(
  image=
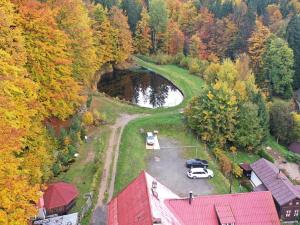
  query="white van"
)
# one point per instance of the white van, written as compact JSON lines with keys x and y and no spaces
{"x":200,"y":173}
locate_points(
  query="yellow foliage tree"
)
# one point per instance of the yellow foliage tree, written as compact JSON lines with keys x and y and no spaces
{"x":87,"y":118}
{"x":48,"y":61}
{"x":72,"y":17}
{"x":123,"y":46}
{"x":104,"y":34}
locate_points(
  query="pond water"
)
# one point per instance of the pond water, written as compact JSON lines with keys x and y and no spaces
{"x":141,"y":87}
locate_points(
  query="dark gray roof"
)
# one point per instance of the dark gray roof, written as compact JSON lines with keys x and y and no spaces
{"x":260,"y":188}
{"x":281,"y":187}
{"x":295,"y":147}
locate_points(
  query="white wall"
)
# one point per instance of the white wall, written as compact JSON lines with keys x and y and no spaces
{"x":255,"y":180}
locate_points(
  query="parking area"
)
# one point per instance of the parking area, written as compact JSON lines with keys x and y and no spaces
{"x":168,"y":166}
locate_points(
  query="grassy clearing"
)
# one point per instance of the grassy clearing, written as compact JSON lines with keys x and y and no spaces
{"x":133,"y":156}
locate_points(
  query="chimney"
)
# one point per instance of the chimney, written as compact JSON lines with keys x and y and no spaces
{"x":190,"y":197}
{"x":278,"y":174}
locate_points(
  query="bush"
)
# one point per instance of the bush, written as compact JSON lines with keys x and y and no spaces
{"x":163,"y":59}
{"x":194,"y":66}
{"x":246,"y":184}
{"x":224,"y":161}
{"x":56,"y":169}
{"x":146,"y":58}
{"x":87,"y":118}
{"x":76,"y":124}
{"x":262,"y":153}
{"x":292,"y":157}
{"x":177,"y":58}
{"x":71,"y":151}
{"x":184,"y":62}
{"x":237,"y":171}
{"x":89,"y":101}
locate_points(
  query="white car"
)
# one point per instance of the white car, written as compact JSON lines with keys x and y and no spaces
{"x":200,"y":173}
{"x":150,"y":138}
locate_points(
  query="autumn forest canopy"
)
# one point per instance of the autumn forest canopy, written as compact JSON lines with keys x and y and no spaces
{"x":52,"y":52}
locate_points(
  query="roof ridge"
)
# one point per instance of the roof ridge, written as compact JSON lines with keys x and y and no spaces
{"x":143,"y":173}
{"x":131,"y":182}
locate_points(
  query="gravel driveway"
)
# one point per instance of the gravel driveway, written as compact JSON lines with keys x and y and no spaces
{"x":168,"y":167}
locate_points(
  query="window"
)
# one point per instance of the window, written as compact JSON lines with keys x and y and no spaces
{"x":288,"y":213}
{"x":291,"y":203}
{"x":296,"y":213}
{"x":297,"y":203}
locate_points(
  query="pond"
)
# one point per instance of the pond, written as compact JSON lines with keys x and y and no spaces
{"x":141,"y":87}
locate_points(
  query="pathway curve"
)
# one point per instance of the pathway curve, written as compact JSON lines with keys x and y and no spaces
{"x":112,"y":153}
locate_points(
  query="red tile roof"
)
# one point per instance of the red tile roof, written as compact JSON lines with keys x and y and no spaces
{"x":254,"y":208}
{"x":224,"y":214}
{"x":131,"y":206}
{"x":59,"y":194}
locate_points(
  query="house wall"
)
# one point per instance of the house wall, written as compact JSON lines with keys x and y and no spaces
{"x":255,"y":180}
{"x":290,"y":211}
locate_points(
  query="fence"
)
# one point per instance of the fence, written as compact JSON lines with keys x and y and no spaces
{"x":86,"y":207}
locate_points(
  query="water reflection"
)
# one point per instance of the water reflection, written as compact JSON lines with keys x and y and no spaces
{"x":142,"y":87}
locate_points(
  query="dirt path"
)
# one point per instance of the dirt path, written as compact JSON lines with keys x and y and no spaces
{"x":112,"y":153}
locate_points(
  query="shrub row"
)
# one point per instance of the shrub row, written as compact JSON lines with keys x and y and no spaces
{"x":262,"y":153}
{"x":226,"y":165}
{"x":194,"y":65}
{"x":292,"y":157}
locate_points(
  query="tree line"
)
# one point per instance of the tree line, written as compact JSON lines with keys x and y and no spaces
{"x":50,"y":51}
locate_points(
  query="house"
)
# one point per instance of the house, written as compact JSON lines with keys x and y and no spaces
{"x":145,"y":201}
{"x":266,"y":176}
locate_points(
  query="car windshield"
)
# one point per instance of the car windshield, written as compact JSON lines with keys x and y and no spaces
{"x":150,"y":137}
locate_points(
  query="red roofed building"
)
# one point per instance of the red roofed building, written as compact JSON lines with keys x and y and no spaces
{"x":59,"y":198}
{"x":146,"y":202}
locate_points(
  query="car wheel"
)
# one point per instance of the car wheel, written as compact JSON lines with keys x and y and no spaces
{"x":209,"y":177}
{"x":194,"y":177}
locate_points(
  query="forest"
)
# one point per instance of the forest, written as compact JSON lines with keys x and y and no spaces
{"x":247,"y":51}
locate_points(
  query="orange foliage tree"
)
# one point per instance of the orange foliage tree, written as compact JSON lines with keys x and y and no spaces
{"x":174,"y":39}
{"x":123,"y":46}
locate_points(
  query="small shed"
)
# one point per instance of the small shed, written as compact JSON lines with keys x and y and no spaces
{"x":246,"y":169}
{"x":59,"y":198}
{"x":295,"y":147}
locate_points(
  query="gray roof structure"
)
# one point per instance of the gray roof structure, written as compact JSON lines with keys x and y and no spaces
{"x":70,"y":219}
{"x":275,"y":181}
